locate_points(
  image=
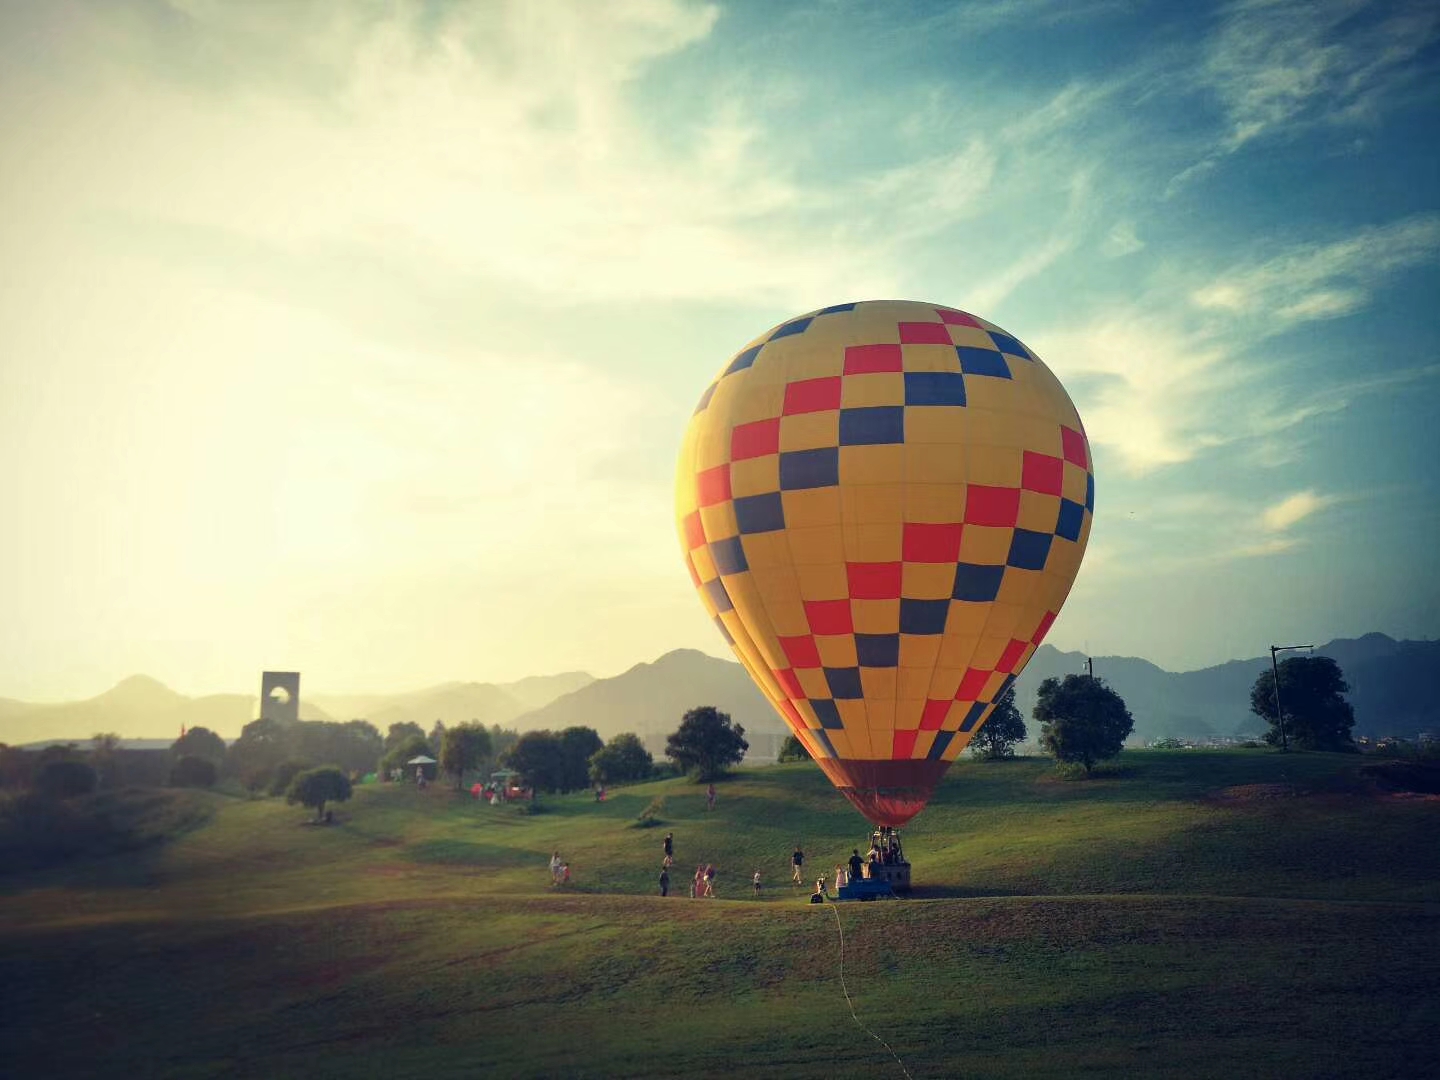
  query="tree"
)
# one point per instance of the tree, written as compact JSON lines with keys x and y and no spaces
{"x":200,"y":742}
{"x":283,"y":775}
{"x":464,"y":748}
{"x":316,"y":787}
{"x":437,"y":734}
{"x":579,"y":745}
{"x":539,"y":759}
{"x":622,"y":760}
{"x":253,"y":756}
{"x":193,"y":771}
{"x":1317,"y":716}
{"x":706,"y":742}
{"x":1005,"y":727}
{"x":105,"y":758}
{"x":65,"y":778}
{"x":1083,"y":720}
{"x":412,"y":746}
{"x":16,"y":767}
{"x":792,"y":749}
{"x":400,"y":732}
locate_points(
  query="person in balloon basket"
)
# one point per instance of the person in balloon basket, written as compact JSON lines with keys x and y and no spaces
{"x":797,"y":860}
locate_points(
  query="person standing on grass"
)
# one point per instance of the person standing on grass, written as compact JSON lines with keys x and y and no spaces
{"x":856,"y":864}
{"x":555,"y":868}
{"x":695,"y":884}
{"x":710,"y":797}
{"x":670,"y":846}
{"x":664,"y":882}
{"x":710,"y":881}
{"x":757,"y":884}
{"x":797,"y":860}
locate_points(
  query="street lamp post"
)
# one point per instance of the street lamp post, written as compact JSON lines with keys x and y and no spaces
{"x":1279,"y":712}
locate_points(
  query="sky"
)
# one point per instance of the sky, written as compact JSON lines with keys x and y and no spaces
{"x":359,"y":338}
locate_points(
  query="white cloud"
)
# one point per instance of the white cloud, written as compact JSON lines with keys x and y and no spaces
{"x":1121,"y":240}
{"x":1321,"y":280}
{"x":1293,"y":509}
{"x":1277,"y":63}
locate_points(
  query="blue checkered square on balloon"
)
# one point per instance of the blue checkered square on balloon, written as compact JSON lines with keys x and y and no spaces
{"x":878,"y":650}
{"x":977,"y":584}
{"x":761,"y":513}
{"x":1029,"y":550}
{"x":1071,"y":517}
{"x":923,"y":616}
{"x":844,"y":683}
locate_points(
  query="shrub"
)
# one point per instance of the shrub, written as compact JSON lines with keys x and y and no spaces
{"x":284,"y":775}
{"x":65,"y":779}
{"x":193,"y":772}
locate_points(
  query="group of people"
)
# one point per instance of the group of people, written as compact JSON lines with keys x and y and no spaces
{"x":702,"y":883}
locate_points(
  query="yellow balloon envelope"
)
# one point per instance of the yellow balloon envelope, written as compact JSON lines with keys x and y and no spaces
{"x":883,"y":506}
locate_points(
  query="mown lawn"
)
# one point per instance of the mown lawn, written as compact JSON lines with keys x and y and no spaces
{"x":1199,"y":914}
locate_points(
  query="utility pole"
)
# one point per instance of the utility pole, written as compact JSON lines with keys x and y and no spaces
{"x":1090,"y":667}
{"x":1275,"y":671}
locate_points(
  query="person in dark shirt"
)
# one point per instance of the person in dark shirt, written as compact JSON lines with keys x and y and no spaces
{"x":856,"y":864}
{"x":664,"y":882}
{"x":797,"y":860}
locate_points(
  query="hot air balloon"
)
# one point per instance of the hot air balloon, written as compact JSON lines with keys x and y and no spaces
{"x":882,"y":506}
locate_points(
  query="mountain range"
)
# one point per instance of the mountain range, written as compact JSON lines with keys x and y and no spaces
{"x":1395,"y":689}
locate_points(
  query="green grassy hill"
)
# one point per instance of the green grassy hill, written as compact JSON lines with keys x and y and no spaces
{"x":1200,"y":914}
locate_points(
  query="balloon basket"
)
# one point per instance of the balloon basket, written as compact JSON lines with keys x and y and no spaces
{"x":885,"y":876}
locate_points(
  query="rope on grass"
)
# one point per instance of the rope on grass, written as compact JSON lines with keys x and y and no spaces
{"x":845,"y":990}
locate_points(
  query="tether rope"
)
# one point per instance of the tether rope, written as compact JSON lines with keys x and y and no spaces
{"x":845,"y":990}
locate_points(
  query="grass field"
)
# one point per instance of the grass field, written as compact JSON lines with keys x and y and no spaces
{"x":1199,"y":914}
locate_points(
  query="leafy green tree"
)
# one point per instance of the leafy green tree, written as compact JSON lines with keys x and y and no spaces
{"x":1004,"y":728}
{"x":199,"y":742}
{"x":579,"y":745}
{"x":463,"y":749}
{"x":283,"y":775}
{"x":412,"y":746}
{"x":539,"y":759}
{"x":105,"y":758}
{"x":16,"y":767}
{"x":316,"y":787}
{"x":192,"y":771}
{"x":252,"y":757}
{"x":1312,"y":693}
{"x":792,"y":749}
{"x":1082,"y":719}
{"x":706,"y":742}
{"x":400,"y":732}
{"x":622,"y":760}
{"x":65,"y":778}
{"x":502,"y":739}
{"x":437,"y":736}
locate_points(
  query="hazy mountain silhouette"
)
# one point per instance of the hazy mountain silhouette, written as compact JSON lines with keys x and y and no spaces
{"x":650,"y":699}
{"x":1395,"y":689}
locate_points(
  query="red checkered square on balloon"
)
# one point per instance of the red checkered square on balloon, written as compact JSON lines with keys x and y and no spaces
{"x":972,"y":684}
{"x":755,"y":439}
{"x":924,"y":333}
{"x":829,"y":617}
{"x":1011,"y":656}
{"x":812,"y":395}
{"x":926,"y":543}
{"x":903,"y":745}
{"x":713,"y":485}
{"x":1041,"y":472}
{"x":789,"y":683}
{"x":801,"y":651}
{"x":994,"y":506}
{"x":866,"y":359}
{"x":694,"y":531}
{"x":934,"y":715}
{"x":1073,"y":445}
{"x":1044,"y":628}
{"x":873,"y":581}
{"x":790,"y":712}
{"x":957,"y":318}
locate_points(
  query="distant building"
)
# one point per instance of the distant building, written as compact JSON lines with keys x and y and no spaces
{"x":280,"y":696}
